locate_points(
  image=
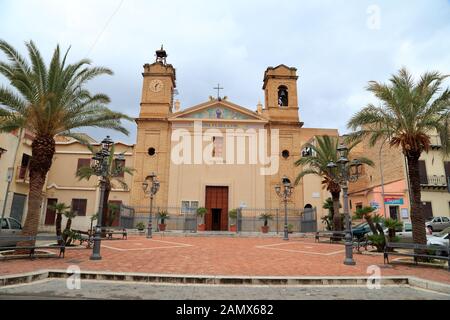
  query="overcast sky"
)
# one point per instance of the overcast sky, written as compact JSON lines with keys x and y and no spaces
{"x":337,"y":46}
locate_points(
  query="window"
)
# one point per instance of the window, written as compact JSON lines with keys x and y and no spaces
{"x":423,"y":172}
{"x":83,"y":163}
{"x":14,"y":224}
{"x":445,"y":219}
{"x":151,"y":152}
{"x":359,"y":206}
{"x":285,"y":154}
{"x":79,"y":206}
{"x":119,"y":163}
{"x":23,"y":169}
{"x":4,"y":224}
{"x":189,"y":206}
{"x":217,"y":147}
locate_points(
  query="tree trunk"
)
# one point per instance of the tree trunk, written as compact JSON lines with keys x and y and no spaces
{"x":58,"y":223}
{"x":337,"y":223}
{"x":370,"y":223}
{"x":417,"y":218}
{"x":43,"y":149}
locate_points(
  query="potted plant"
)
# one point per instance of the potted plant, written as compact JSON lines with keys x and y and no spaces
{"x":201,"y":212}
{"x":233,"y":216}
{"x":266,"y":217}
{"x":163,"y":215}
{"x":140,"y":226}
{"x":290,"y":228}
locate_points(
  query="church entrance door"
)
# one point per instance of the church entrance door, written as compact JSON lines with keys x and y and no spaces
{"x":217,"y":204}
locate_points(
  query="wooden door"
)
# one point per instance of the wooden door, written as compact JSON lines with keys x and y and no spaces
{"x":50,"y":215}
{"x":427,"y":210}
{"x":116,"y":214}
{"x":216,"y":202}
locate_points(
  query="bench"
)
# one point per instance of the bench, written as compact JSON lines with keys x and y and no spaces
{"x":361,"y":242}
{"x":16,"y":239}
{"x":85,"y":236}
{"x":417,"y":251}
{"x":110,"y":231}
{"x":334,"y":236}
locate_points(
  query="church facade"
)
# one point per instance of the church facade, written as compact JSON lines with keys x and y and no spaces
{"x":218,"y":154}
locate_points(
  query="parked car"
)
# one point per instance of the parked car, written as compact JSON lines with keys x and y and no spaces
{"x":9,"y":227}
{"x":440,"y":239}
{"x":438,"y":223}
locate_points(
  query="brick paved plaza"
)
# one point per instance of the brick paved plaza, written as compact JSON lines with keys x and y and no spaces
{"x":223,"y":256}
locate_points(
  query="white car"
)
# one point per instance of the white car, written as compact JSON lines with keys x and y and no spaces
{"x":440,"y":239}
{"x":9,"y":227}
{"x":438,"y":223}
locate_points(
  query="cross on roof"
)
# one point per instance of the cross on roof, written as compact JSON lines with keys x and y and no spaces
{"x":218,"y":88}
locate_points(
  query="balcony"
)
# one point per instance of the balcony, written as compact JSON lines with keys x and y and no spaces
{"x":22,"y":174}
{"x":434,"y":182}
{"x":435,"y":142}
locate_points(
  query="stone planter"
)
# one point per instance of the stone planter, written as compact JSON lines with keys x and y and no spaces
{"x":233,"y":228}
{"x":162,"y":227}
{"x":201,"y":227}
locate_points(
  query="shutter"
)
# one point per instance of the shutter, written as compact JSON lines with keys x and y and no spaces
{"x":427,"y":210}
{"x":83,"y":163}
{"x":423,"y":172}
{"x":447,"y":169}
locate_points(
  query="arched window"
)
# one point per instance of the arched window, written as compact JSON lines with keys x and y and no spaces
{"x":283,"y":97}
{"x":308,"y":206}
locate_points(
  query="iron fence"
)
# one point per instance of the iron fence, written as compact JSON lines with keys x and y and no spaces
{"x":248,"y":219}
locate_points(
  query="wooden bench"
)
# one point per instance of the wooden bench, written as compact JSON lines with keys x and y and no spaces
{"x":32,"y":248}
{"x":417,"y":251}
{"x":334,"y":236}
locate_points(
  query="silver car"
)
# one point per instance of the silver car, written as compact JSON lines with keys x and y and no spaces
{"x":438,"y":224}
{"x":9,"y":227}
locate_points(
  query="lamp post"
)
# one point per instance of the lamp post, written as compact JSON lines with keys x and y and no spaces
{"x":100,"y":167}
{"x":151,"y":187}
{"x":343,"y":172}
{"x":285,"y":192}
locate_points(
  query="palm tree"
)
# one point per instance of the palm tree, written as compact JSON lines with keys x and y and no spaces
{"x":60,"y":209}
{"x":323,"y":153}
{"x":68,"y":233}
{"x":410,"y":111}
{"x":113,"y":176}
{"x":47,"y":101}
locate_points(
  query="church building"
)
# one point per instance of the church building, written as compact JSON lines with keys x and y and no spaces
{"x":218,"y":154}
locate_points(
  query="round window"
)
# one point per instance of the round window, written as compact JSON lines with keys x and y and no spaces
{"x":151,"y":152}
{"x":285,"y":154}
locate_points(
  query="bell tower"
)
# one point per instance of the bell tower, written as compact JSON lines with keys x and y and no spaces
{"x":280,"y":89}
{"x":158,"y":88}
{"x":152,"y":150}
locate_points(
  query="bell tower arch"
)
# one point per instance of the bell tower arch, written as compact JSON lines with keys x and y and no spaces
{"x":280,"y":90}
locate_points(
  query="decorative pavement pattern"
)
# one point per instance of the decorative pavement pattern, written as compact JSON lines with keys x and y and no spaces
{"x":224,"y":256}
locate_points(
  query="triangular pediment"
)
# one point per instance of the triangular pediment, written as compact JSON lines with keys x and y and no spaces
{"x":218,"y":110}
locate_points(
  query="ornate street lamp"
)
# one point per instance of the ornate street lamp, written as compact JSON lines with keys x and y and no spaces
{"x":100,"y":167}
{"x":150,"y":186}
{"x":285,"y":192}
{"x":343,"y":172}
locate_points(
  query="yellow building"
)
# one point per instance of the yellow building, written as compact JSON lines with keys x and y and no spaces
{"x":385,"y":186}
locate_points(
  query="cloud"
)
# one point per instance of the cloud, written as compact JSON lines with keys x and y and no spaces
{"x":233,"y":42}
